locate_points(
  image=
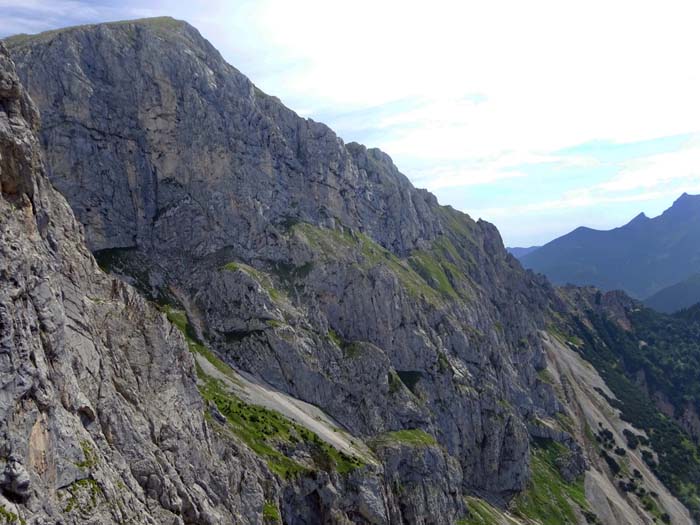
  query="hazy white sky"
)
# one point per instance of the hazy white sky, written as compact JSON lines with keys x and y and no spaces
{"x":539,"y":116}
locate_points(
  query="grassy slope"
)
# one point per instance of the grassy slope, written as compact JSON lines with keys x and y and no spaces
{"x":549,"y":499}
{"x":269,"y":434}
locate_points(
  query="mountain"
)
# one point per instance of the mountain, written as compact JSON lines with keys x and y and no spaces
{"x":641,"y":258}
{"x":100,"y":414}
{"x":519,"y":252}
{"x":286,"y":330}
{"x":677,"y":296}
{"x":307,"y":263}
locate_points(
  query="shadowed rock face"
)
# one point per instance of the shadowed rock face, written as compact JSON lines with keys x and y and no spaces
{"x":163,"y":148}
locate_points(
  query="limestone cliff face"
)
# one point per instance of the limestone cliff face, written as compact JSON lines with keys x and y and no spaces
{"x":312,"y":267}
{"x":153,"y":112}
{"x":99,"y":411}
{"x":101,"y":419}
{"x":171,"y":155}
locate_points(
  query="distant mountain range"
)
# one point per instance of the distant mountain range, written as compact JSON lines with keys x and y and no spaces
{"x":680,"y":295}
{"x":649,"y":258}
{"x":521,"y":252}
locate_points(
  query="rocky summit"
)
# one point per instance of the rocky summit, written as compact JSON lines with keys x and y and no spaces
{"x":225,"y":314}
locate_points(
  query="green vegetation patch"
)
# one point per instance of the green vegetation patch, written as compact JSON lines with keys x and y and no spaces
{"x":412,"y":437}
{"x":7,"y":517}
{"x":566,"y":338}
{"x":83,"y":495}
{"x":179,"y":319}
{"x":395,"y":384}
{"x":195,"y":345}
{"x":434,"y":275}
{"x":443,"y":363}
{"x":433,"y":272}
{"x":678,"y":465}
{"x":549,"y":499}
{"x":331,"y":243}
{"x":266,"y":432}
{"x":271,"y":514}
{"x":351,"y":349}
{"x":335,"y":338}
{"x":269,"y":434}
{"x":480,"y":512}
{"x":459,"y":223}
{"x":565,"y":422}
{"x":546,"y":376}
{"x":261,"y":277}
{"x":89,"y":454}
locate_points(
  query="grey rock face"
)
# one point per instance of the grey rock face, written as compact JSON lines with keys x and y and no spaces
{"x":101,"y":420}
{"x":15,"y":480}
{"x":100,"y":417}
{"x":139,"y":94}
{"x":353,"y":290}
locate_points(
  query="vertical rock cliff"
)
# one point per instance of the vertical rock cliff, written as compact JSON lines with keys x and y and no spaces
{"x":312,"y":264}
{"x":100,"y":416}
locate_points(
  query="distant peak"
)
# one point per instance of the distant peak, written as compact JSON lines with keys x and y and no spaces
{"x":639,"y":219}
{"x":683,"y":207}
{"x":687,"y":198}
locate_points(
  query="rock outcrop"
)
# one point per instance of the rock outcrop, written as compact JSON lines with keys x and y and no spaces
{"x":99,"y":414}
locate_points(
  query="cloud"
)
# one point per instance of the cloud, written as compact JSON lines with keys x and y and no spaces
{"x":575,"y":199}
{"x":455,"y":176}
{"x":33,"y":16}
{"x":682,"y":166}
{"x":642,"y":179}
{"x":551,"y":74}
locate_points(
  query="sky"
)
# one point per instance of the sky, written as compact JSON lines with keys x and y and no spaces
{"x":538,"y":116}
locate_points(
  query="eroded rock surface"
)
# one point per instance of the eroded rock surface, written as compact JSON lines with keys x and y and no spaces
{"x":101,"y":420}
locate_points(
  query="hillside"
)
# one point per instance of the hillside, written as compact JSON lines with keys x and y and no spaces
{"x":677,"y":296}
{"x":520,"y":252}
{"x":315,"y":340}
{"x":641,"y":258}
